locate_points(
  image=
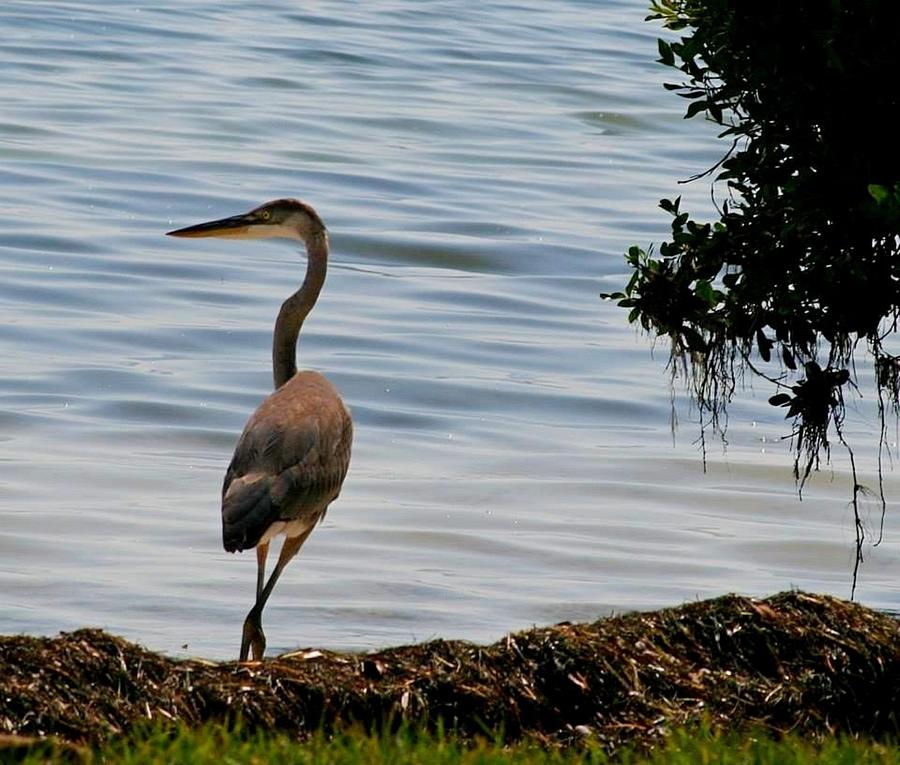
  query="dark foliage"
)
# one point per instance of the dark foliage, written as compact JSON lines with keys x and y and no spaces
{"x":804,"y":263}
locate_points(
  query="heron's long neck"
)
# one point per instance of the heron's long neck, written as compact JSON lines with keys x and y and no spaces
{"x":296,"y":308}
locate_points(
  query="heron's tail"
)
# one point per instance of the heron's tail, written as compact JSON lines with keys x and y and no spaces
{"x":247,"y":512}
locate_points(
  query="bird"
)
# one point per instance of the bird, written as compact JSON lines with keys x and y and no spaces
{"x":292,"y":457}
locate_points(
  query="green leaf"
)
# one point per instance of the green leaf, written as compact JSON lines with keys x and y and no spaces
{"x":665,"y":53}
{"x":632,"y":282}
{"x":878,"y":193}
{"x":694,"y":108}
{"x":788,"y":358}
{"x":694,"y":339}
{"x":764,"y":344}
{"x":704,"y":291}
{"x":669,"y":206}
{"x":780,"y":399}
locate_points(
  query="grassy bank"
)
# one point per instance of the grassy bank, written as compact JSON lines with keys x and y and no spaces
{"x":811,"y":664}
{"x":214,"y":744}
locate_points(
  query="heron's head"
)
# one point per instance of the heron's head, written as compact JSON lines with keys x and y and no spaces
{"x":281,"y":218}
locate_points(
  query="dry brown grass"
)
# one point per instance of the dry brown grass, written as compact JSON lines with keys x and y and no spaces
{"x":794,"y":661}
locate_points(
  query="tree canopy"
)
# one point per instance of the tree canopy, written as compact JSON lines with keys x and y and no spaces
{"x":802,"y":268}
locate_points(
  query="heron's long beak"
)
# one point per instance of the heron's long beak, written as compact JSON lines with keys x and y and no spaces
{"x":237,"y":226}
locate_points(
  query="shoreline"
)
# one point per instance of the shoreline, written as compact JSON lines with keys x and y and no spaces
{"x":811,"y":664}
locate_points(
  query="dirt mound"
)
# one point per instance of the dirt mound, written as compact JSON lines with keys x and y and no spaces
{"x":793,"y":661}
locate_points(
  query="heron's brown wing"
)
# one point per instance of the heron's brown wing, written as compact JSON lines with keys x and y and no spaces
{"x":289,"y":463}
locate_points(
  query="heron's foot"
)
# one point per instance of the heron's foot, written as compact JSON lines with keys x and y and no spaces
{"x":253,"y":637}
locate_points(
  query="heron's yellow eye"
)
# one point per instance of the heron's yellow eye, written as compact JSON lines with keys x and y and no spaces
{"x":265,"y":215}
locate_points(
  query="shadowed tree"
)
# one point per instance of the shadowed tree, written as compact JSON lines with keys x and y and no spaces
{"x":802,"y":269}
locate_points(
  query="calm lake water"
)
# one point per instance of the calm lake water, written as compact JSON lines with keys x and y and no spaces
{"x":482,"y":168}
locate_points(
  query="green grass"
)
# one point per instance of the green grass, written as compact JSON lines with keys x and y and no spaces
{"x":217,"y":746}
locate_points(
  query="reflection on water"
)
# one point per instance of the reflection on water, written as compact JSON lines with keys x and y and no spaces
{"x":513,"y":460}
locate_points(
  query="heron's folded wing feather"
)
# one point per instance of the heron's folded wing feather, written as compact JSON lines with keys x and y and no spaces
{"x":281,"y":473}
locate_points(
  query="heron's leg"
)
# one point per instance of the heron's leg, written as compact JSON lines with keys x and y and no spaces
{"x":262,"y":552}
{"x":253,"y":635}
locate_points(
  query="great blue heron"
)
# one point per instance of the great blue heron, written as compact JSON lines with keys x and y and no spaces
{"x":291,"y":459}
